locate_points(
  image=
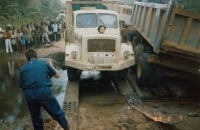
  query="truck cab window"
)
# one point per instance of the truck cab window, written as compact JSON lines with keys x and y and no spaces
{"x":86,"y":20}
{"x":109,"y":20}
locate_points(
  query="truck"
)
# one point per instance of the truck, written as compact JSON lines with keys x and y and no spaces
{"x":126,"y":26}
{"x":166,"y":41}
{"x":86,"y":48}
{"x":61,"y":15}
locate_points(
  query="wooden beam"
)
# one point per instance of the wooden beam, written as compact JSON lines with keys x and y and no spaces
{"x":186,"y":65}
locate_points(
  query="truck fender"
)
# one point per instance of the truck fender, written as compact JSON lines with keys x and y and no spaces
{"x":70,"y":48}
{"x":126,"y":47}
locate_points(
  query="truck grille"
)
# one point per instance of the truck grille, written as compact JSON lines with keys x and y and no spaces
{"x":101,"y":45}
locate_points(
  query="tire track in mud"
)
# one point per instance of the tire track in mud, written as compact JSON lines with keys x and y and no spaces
{"x":134,"y":101}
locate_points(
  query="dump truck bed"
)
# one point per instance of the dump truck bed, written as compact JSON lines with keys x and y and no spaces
{"x":168,"y":28}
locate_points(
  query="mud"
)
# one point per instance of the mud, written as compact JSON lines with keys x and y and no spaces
{"x":14,"y":112}
{"x":101,"y":107}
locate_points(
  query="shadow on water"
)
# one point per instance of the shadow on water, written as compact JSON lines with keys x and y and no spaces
{"x":97,"y":87}
{"x":14,"y":113}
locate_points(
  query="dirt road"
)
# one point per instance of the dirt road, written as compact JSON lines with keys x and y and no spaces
{"x":103,"y":108}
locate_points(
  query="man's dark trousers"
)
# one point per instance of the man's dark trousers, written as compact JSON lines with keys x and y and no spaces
{"x":43,"y":97}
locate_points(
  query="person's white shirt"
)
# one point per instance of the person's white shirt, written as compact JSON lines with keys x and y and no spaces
{"x":1,"y":32}
{"x":55,"y":28}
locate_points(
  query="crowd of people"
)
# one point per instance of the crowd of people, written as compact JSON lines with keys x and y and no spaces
{"x":32,"y":35}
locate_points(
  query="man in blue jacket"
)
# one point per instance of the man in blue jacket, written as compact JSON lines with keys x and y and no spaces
{"x":35,"y":82}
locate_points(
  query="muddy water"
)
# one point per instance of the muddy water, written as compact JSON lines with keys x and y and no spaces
{"x":14,"y":113}
{"x":98,"y":98}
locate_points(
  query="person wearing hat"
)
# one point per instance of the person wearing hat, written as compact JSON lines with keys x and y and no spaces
{"x":35,"y":81}
{"x":6,"y":36}
{"x":101,"y":29}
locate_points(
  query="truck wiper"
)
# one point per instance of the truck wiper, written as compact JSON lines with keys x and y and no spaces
{"x":103,"y":23}
{"x":81,"y":23}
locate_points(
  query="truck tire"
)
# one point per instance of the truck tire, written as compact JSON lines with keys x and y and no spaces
{"x":138,"y":39}
{"x":71,"y":73}
{"x":156,"y":76}
{"x":127,"y":37}
{"x":139,"y":50}
{"x":148,"y":49}
{"x":144,"y":70}
{"x":122,"y":74}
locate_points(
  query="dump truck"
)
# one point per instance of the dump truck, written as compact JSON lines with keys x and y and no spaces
{"x":166,"y":41}
{"x":125,"y":13}
{"x":89,"y":50}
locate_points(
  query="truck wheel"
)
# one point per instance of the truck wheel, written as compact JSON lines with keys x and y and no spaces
{"x":137,"y":40}
{"x":144,"y":70}
{"x":148,"y":49}
{"x":157,"y":76}
{"x":122,"y":74}
{"x":139,"y":50}
{"x":127,"y":37}
{"x":71,"y":73}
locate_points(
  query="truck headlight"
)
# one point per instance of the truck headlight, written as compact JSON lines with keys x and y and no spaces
{"x":74,"y":54}
{"x":127,"y":54}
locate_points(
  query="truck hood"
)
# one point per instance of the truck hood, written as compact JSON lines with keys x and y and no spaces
{"x":85,"y":31}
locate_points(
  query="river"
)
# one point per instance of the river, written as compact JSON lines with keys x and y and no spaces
{"x":14,"y":114}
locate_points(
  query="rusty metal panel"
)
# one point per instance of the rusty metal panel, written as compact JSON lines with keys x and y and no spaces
{"x":150,"y":19}
{"x":183,"y":33}
{"x":167,"y":27}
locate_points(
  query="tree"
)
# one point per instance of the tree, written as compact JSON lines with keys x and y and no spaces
{"x":16,"y":11}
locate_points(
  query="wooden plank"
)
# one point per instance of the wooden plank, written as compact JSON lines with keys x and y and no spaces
{"x":70,"y":105}
{"x":178,"y":88}
{"x":159,"y":91}
{"x":143,"y":92}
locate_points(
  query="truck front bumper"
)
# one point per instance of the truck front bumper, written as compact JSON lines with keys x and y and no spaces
{"x":84,"y":65}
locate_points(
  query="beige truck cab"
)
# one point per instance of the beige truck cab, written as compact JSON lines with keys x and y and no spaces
{"x":89,"y":50}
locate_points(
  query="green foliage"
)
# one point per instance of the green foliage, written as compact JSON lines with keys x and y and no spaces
{"x":193,"y":5}
{"x":18,"y":11}
{"x":59,"y":56}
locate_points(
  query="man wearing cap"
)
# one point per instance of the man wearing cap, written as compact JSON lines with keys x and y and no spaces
{"x":35,"y":82}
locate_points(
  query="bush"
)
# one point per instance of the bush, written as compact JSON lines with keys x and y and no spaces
{"x":59,"y":56}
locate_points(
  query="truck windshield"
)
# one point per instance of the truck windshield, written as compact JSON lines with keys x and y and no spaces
{"x":109,"y":20}
{"x":86,"y":20}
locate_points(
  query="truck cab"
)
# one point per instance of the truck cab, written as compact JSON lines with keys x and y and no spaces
{"x":88,"y":49}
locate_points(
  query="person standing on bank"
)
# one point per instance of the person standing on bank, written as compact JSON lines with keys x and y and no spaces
{"x":6,"y":36}
{"x":35,"y":82}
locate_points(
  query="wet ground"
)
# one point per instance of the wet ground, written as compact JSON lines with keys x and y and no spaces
{"x":101,"y":106}
{"x":14,"y":112}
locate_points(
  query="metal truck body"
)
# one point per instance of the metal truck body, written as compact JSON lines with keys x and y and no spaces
{"x":125,"y":14}
{"x":86,"y":48}
{"x":169,"y":35}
